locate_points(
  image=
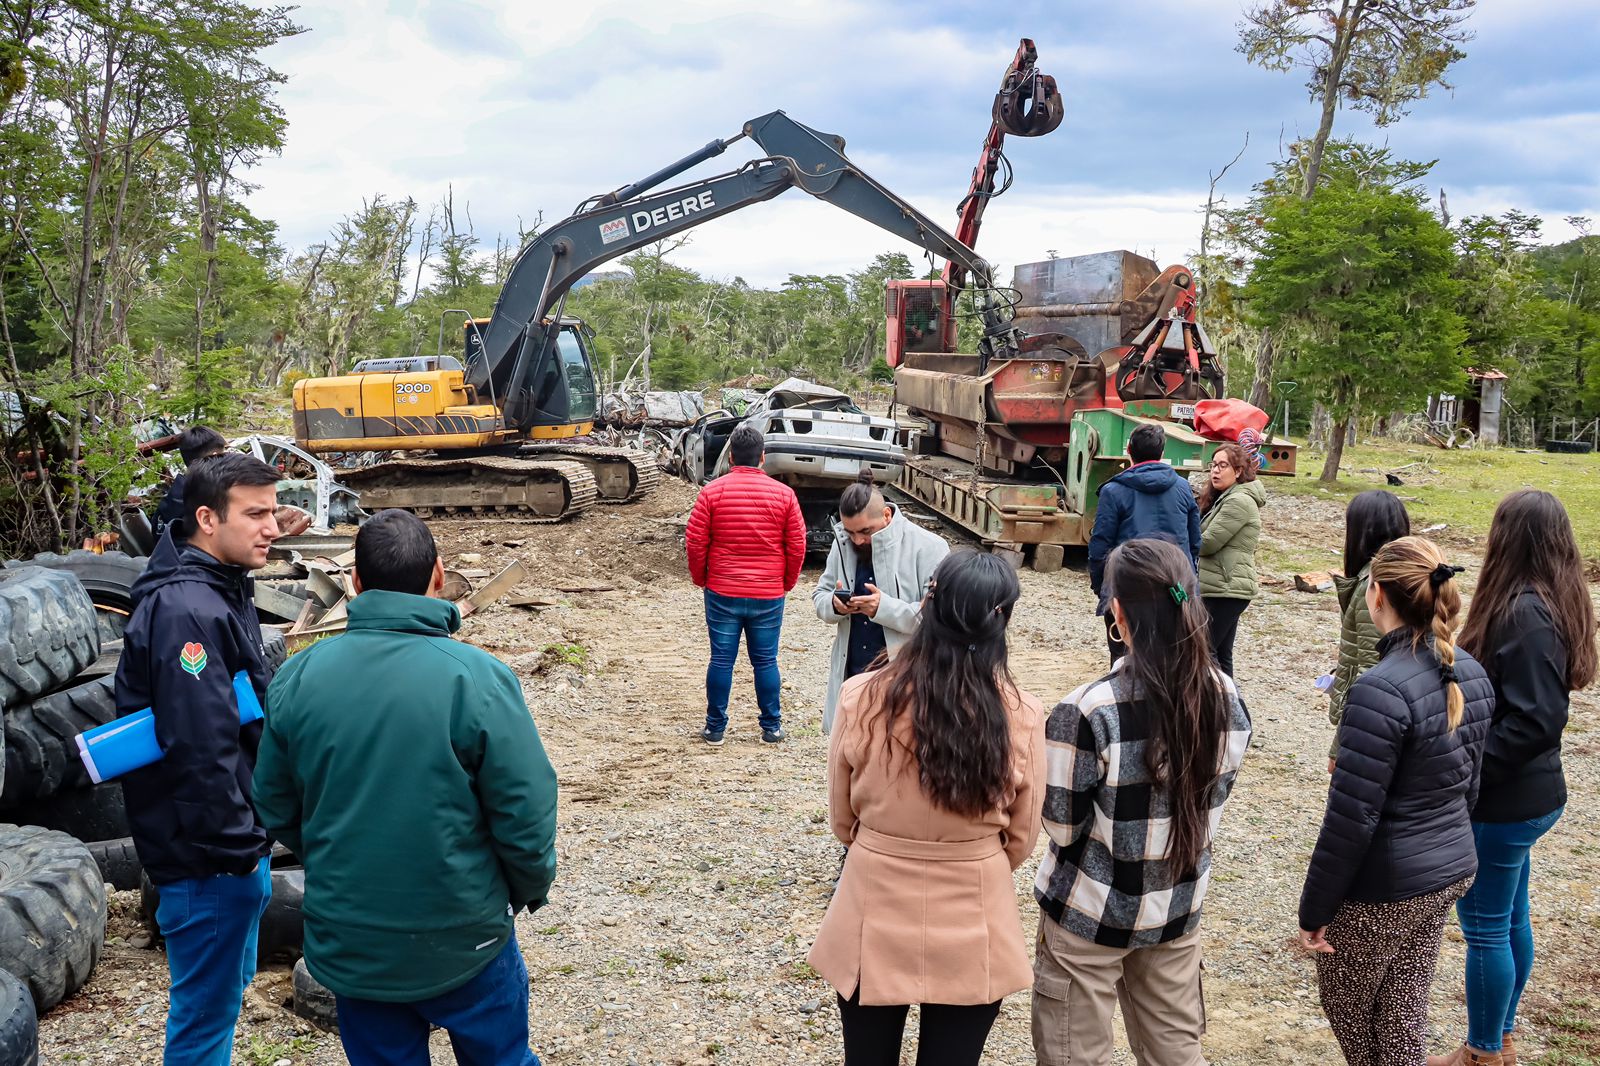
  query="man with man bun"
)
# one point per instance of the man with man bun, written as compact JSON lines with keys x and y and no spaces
{"x":872,"y":587}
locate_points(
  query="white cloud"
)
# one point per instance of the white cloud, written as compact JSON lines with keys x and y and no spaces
{"x":530,"y":108}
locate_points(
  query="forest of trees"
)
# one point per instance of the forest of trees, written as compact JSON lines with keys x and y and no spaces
{"x":136,"y":283}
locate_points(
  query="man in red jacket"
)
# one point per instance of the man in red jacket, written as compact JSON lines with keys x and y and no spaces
{"x":746,"y":542}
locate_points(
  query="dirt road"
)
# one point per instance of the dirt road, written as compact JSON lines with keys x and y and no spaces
{"x":693,"y":879}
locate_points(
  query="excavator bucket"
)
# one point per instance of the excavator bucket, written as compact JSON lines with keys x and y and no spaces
{"x":1028,"y":103}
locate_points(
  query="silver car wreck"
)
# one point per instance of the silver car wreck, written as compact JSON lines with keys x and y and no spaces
{"x":818,"y":442}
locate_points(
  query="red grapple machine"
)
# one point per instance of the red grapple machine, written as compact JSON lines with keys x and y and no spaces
{"x":1016,"y":441}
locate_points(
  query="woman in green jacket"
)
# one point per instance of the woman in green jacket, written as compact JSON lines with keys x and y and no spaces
{"x":1371,"y":520}
{"x":1230,"y":526}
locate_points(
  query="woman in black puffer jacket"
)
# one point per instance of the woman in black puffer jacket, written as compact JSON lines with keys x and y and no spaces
{"x":1396,"y":846}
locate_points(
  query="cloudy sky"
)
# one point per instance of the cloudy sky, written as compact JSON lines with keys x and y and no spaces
{"x":528,"y":108}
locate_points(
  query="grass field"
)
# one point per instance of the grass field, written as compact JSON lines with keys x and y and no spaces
{"x":1459,"y":488}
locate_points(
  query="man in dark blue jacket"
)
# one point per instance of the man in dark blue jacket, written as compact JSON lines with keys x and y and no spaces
{"x":1149,"y":500}
{"x":193,"y":628}
{"x":194,"y":444}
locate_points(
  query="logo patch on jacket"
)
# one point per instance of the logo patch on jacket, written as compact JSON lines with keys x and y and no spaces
{"x":193,"y":658}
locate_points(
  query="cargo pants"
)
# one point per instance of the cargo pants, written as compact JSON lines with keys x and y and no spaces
{"x":1078,"y":983}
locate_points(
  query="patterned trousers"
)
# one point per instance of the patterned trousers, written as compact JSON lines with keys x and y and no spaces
{"x":1375,"y":984}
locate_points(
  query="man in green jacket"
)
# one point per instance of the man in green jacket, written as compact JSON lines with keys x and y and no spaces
{"x":404,"y":769}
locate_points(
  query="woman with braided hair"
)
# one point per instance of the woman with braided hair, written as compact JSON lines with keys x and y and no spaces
{"x":935,"y":766}
{"x":1396,"y":848}
{"x":1532,"y":625}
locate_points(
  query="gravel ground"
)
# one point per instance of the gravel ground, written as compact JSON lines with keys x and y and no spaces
{"x":692,"y":880}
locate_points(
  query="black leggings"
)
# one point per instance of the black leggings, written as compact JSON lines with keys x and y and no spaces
{"x":950,"y":1036}
{"x":1224,"y":627}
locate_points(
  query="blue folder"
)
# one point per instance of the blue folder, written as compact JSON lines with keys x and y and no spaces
{"x":128,"y":743}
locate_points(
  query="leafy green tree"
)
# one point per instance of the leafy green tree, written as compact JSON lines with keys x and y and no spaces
{"x":1357,"y":282}
{"x":1505,"y":317}
{"x":1379,"y":56}
{"x":350,"y":286}
{"x":124,"y":127}
{"x":1562,"y":379}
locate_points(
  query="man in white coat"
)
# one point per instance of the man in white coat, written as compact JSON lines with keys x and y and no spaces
{"x":871,"y":590}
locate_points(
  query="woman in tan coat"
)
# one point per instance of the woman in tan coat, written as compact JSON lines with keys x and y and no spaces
{"x":934,"y":776}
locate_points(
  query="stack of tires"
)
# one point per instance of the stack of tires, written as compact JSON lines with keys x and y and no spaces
{"x":83,"y":599}
{"x":52,"y":895}
{"x":63,"y":839}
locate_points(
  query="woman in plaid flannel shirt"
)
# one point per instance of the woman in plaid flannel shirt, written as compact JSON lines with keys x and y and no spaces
{"x":1138,"y":766}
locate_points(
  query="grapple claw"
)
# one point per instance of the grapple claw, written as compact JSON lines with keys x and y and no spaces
{"x":1028,"y":104}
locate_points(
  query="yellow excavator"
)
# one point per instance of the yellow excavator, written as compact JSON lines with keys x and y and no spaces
{"x":499,"y":429}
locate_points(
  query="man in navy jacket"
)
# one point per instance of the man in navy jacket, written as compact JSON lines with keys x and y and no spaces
{"x":193,"y":628}
{"x":1149,"y":500}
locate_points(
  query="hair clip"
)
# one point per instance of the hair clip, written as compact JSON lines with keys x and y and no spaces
{"x":1444,"y":572}
{"x":972,"y":647}
{"x":1180,"y":595}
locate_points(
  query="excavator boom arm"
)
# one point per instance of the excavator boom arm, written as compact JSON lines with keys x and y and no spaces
{"x":517,"y":336}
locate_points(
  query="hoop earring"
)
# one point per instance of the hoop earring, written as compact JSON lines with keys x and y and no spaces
{"x":1116,"y":633}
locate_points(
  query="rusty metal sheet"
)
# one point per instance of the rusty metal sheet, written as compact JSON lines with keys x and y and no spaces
{"x":1099,"y":278}
{"x":1084,"y":296}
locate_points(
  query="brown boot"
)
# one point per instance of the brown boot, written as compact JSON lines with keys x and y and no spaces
{"x":1466,"y":1055}
{"x":1508,"y":1049}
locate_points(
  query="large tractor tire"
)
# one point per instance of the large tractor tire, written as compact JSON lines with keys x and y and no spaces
{"x":52,"y":912}
{"x":274,"y":648}
{"x":91,"y":814}
{"x":312,"y":1000}
{"x":48,"y":632}
{"x":41,"y":741}
{"x":118,"y":861}
{"x":108,"y":578}
{"x":19,"y":1025}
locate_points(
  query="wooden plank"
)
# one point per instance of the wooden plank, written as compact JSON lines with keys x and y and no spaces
{"x":498,"y":586}
{"x":278,"y":604}
{"x":326,"y":589}
{"x":534,"y":602}
{"x":307,"y":615}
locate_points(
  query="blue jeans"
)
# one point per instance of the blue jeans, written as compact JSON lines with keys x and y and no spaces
{"x":487,"y":1019}
{"x":1494,"y":921}
{"x":210,"y":926}
{"x":760,"y":621}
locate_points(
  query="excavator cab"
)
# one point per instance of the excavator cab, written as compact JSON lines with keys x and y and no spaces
{"x":914,"y":316}
{"x":565,"y":398}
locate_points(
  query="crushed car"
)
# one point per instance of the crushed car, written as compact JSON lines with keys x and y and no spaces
{"x":818,"y":442}
{"x":308,"y":483}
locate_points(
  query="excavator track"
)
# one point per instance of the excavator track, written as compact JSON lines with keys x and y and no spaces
{"x":541,"y":490}
{"x":622,"y":474}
